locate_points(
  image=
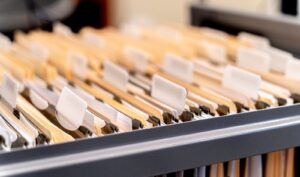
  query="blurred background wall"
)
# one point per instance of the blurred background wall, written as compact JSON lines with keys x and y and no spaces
{"x":29,"y":14}
{"x":177,"y":10}
{"x":160,"y":10}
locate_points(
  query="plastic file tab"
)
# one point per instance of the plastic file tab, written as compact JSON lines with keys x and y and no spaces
{"x":241,"y":81}
{"x":37,"y":100}
{"x":253,"y":59}
{"x":255,"y":40}
{"x":39,"y":51}
{"x":88,"y":121}
{"x":169,"y":93}
{"x":78,"y":64}
{"x":124,"y":122}
{"x":11,"y":132}
{"x":9,"y":90}
{"x":138,"y":57}
{"x":71,"y":109}
{"x":115,"y":75}
{"x":280,"y":59}
{"x":216,"y":53}
{"x":62,"y":29}
{"x":179,"y":67}
{"x":293,"y":69}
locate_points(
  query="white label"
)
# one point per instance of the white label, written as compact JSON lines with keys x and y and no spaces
{"x":78,"y":64}
{"x":12,"y":133}
{"x":275,"y":88}
{"x":179,"y":67}
{"x":143,"y":114}
{"x":5,"y":42}
{"x":138,"y":57}
{"x":62,"y":29}
{"x":82,"y":93}
{"x":93,"y":39}
{"x":37,"y":100}
{"x":267,"y":96}
{"x":279,"y":58}
{"x":253,"y":59}
{"x":115,"y":75}
{"x":293,"y":69}
{"x":9,"y":90}
{"x":211,"y":31}
{"x":39,"y":51}
{"x":169,"y":93}
{"x":29,"y":125}
{"x":105,"y":109}
{"x":204,"y":67}
{"x":88,"y":121}
{"x":215,"y":52}
{"x":71,"y":109}
{"x":255,"y":40}
{"x":241,"y":81}
{"x":124,"y":122}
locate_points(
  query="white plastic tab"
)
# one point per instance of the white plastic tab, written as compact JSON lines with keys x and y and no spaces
{"x":103,"y":91}
{"x":259,"y":42}
{"x":88,"y":121}
{"x":214,"y":34}
{"x":115,"y":75}
{"x":93,"y":39}
{"x":124,"y":122}
{"x":12,"y":133}
{"x":29,"y":125}
{"x":82,"y":93}
{"x":215,"y":52}
{"x":70,"y":109}
{"x":265,"y":85}
{"x":21,"y":86}
{"x":179,"y":67}
{"x":5,"y":42}
{"x":62,"y":29}
{"x":241,"y":81}
{"x":9,"y":90}
{"x":105,"y":109}
{"x":109,"y":112}
{"x":268,"y":96}
{"x":37,"y":100}
{"x":138,"y":57}
{"x":253,"y":59}
{"x":169,"y":93}
{"x":133,"y":108}
{"x":293,"y":69}
{"x":203,"y":67}
{"x":39,"y":51}
{"x":43,"y":92}
{"x":78,"y":64}
{"x":279,"y":58}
